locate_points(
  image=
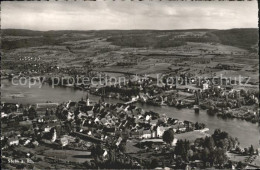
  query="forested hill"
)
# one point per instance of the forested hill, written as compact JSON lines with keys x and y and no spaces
{"x":243,"y":38}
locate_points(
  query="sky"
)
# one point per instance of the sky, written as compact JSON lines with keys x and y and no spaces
{"x":126,"y":15}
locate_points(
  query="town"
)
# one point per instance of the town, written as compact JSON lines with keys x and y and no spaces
{"x":129,"y":87}
{"x":100,"y":135}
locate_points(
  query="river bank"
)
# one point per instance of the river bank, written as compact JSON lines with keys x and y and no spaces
{"x":246,"y":132}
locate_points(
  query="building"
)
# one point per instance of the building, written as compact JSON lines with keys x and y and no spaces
{"x":147,"y":134}
{"x":13,"y":141}
{"x":159,"y":131}
{"x":205,"y":86}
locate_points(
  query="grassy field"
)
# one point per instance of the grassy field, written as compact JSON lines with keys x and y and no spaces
{"x":191,"y":136}
{"x":69,"y":155}
{"x":236,"y":157}
{"x":243,"y":158}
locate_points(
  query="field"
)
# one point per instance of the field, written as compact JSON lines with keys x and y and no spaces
{"x":191,"y":136}
{"x":69,"y":155}
{"x":197,"y":52}
{"x":236,"y":157}
{"x":242,"y":158}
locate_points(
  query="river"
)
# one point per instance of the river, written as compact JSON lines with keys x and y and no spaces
{"x":247,"y":133}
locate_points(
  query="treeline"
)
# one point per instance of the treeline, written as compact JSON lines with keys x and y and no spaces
{"x":38,"y":38}
{"x":208,"y":38}
{"x":30,"y":42}
{"x":243,"y":38}
{"x":24,"y":32}
{"x":126,"y":92}
{"x":20,"y":32}
{"x":145,"y":41}
{"x":47,"y":39}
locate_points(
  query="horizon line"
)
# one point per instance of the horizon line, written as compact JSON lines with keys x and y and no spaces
{"x":130,"y":29}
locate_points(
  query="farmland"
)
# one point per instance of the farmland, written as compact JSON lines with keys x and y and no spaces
{"x":156,"y":51}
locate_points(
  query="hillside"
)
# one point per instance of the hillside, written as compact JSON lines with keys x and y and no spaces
{"x":242,"y":38}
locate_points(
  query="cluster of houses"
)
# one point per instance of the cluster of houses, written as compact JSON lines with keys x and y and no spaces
{"x":217,"y":91}
{"x":119,"y":117}
{"x":99,"y":122}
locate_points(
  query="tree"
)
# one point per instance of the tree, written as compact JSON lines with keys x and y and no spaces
{"x":190,"y":154}
{"x":245,"y":151}
{"x":87,"y":165}
{"x":25,"y":112}
{"x":97,"y":152}
{"x":216,"y":134}
{"x":179,"y":147}
{"x":21,"y":106}
{"x":224,"y":143}
{"x":220,"y":157}
{"x":68,"y":127}
{"x":182,"y":148}
{"x":122,"y":146}
{"x":209,"y":143}
{"x":76,"y":113}
{"x":240,"y":165}
{"x":179,"y":162}
{"x":168,"y":136}
{"x":251,"y":150}
{"x":199,"y":126}
{"x":199,"y":142}
{"x":205,"y":154}
{"x":154,"y":163}
{"x":221,"y":138}
{"x":47,"y":113}
{"x":31,"y":113}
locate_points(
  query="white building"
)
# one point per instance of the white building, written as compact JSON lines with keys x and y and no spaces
{"x":205,"y":86}
{"x":13,"y":141}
